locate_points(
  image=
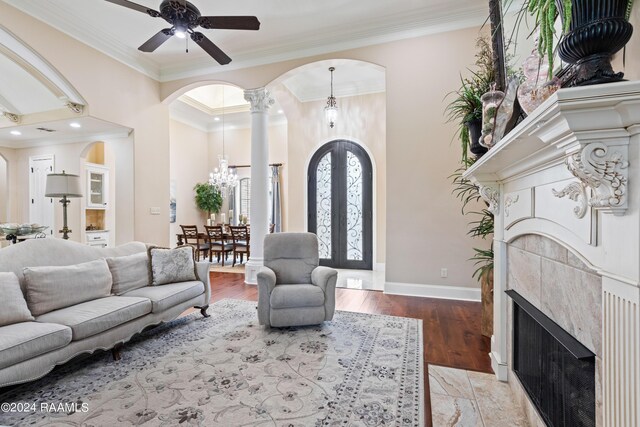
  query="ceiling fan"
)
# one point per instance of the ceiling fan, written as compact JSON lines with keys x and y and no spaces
{"x":184,"y":17}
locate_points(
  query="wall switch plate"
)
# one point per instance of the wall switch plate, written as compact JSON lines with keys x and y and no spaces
{"x":154,"y":211}
{"x":444,"y":272}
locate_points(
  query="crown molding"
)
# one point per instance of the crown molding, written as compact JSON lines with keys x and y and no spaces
{"x":213,"y":111}
{"x":312,"y":94}
{"x":429,"y":20}
{"x":340,"y":39}
{"x":42,"y":142}
{"x":97,"y":37}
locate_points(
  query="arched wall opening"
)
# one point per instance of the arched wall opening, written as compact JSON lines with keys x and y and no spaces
{"x":301,"y":94}
{"x":360,"y":89}
{"x":209,"y":120}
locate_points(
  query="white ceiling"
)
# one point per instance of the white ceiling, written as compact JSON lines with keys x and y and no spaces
{"x":211,"y":107}
{"x":91,"y":129}
{"x":350,"y":78}
{"x":289,"y":28}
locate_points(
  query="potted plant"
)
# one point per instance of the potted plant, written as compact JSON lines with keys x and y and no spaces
{"x":592,"y":32}
{"x":208,"y":198}
{"x":482,"y":226}
{"x":466,"y":107}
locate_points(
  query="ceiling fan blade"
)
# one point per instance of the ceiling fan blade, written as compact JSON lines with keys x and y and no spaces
{"x":209,"y":47}
{"x":136,"y":6}
{"x":229,"y":22}
{"x":154,"y":42}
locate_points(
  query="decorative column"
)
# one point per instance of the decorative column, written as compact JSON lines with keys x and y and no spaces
{"x":260,"y":100}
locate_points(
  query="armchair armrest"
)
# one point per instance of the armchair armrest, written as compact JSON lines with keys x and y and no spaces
{"x":202,"y":270}
{"x":325,"y":278}
{"x":266,"y":282}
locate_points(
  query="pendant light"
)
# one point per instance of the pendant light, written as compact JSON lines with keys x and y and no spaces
{"x":331,"y":110}
{"x":222,"y":177}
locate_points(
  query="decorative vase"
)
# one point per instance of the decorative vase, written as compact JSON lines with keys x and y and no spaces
{"x":536,"y":88}
{"x":490,"y":103}
{"x":598,"y":30}
{"x":475,"y":131}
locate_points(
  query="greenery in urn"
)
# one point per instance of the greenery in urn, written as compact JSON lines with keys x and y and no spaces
{"x":466,"y":106}
{"x":208,"y":198}
{"x":545,"y":13}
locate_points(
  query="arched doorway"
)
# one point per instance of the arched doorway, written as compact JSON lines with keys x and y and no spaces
{"x":340,"y":208}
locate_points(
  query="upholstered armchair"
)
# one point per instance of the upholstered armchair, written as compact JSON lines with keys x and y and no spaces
{"x":292,"y":289}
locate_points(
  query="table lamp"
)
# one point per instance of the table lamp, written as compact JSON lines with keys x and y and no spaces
{"x":66,"y":186}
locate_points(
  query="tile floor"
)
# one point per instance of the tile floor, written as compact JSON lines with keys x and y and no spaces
{"x":469,"y":399}
{"x":350,"y":279}
{"x":361,"y":279}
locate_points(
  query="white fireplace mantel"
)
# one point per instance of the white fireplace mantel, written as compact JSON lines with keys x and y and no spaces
{"x":570,"y":172}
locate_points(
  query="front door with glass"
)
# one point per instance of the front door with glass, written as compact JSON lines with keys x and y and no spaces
{"x":340,"y":205}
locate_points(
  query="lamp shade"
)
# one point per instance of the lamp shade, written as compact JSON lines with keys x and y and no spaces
{"x":63,"y":184}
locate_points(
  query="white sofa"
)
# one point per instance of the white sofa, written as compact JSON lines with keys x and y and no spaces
{"x":31,"y":349}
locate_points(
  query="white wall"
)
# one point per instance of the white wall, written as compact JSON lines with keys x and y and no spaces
{"x":361,"y":119}
{"x":4,"y":191}
{"x":188,"y":165}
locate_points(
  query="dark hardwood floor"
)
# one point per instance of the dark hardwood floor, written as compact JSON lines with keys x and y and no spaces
{"x":451,"y":329}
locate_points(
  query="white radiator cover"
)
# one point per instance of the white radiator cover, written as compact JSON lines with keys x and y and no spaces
{"x":570,"y":172}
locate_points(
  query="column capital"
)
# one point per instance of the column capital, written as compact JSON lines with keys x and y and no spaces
{"x":260,"y":99}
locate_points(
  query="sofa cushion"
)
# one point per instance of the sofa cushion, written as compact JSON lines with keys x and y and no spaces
{"x":291,"y":296}
{"x":92,"y":317}
{"x":14,"y":307}
{"x":26,"y":340}
{"x":129,"y":272}
{"x":172,"y":265}
{"x":167,"y":296}
{"x":52,"y":288}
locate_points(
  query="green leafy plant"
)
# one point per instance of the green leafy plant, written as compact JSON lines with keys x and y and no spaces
{"x":208,"y":198}
{"x":545,"y":13}
{"x":466,"y":105}
{"x":483,"y":224}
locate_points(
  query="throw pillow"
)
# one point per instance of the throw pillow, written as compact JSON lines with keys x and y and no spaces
{"x":52,"y":288}
{"x":14,"y":307}
{"x":172,"y":265}
{"x":129,"y":272}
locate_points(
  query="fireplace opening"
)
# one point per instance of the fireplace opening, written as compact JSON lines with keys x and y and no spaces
{"x":555,"y":369}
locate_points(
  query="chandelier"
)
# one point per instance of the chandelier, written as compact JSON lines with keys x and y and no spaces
{"x":331,"y":110}
{"x":222,"y":177}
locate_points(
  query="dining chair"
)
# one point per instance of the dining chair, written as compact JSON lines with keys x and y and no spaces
{"x":240,"y":237}
{"x":192,"y":238}
{"x":217,"y":244}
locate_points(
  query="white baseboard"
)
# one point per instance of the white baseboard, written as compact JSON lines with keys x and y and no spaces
{"x":379,"y":266}
{"x":432,"y":291}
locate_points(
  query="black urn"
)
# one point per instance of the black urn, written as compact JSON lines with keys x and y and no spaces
{"x":597,"y":31}
{"x":475,"y":131}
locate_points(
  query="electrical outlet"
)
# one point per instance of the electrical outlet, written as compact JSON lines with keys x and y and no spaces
{"x":444,"y":272}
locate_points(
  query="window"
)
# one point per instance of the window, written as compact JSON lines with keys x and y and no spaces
{"x":245,"y":197}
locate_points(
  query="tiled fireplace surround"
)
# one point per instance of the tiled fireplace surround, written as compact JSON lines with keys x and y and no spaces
{"x":563,"y":187}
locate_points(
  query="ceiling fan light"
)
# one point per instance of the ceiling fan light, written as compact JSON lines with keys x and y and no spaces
{"x":180,"y":34}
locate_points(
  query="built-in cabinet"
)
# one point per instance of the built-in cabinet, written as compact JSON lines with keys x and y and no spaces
{"x":97,"y":186}
{"x":97,"y":208}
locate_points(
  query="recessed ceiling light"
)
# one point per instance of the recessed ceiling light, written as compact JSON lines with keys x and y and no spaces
{"x":75,"y":125}
{"x":280,"y":111}
{"x":217,"y":119}
{"x":15,"y":132}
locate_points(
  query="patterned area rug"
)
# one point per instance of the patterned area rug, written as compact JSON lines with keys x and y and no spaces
{"x":359,"y":370}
